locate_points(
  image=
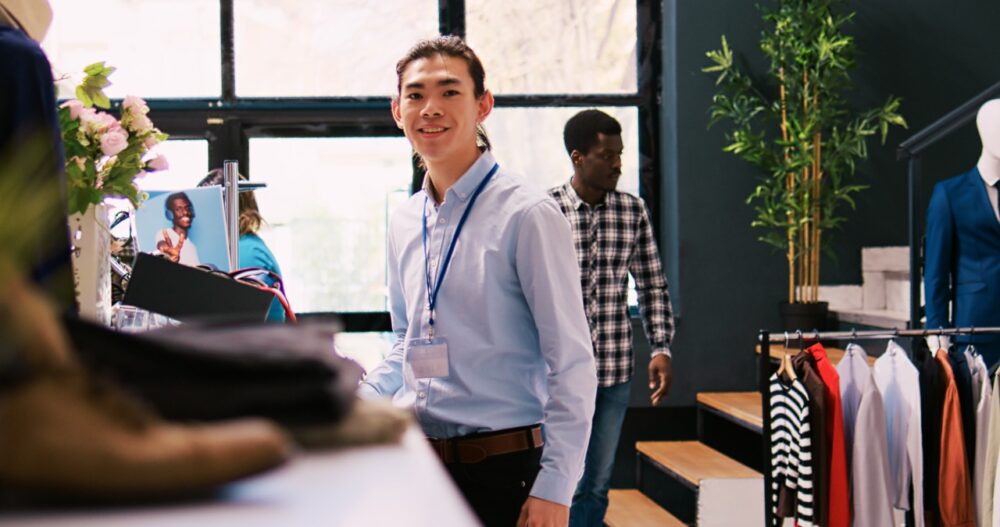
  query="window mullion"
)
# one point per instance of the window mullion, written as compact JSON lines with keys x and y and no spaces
{"x":451,"y":17}
{"x":227,"y":55}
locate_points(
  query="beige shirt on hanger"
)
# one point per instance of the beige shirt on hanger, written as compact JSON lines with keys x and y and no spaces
{"x":898,"y":381}
{"x":991,"y":482}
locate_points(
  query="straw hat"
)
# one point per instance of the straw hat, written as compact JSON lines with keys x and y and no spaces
{"x":32,"y":16}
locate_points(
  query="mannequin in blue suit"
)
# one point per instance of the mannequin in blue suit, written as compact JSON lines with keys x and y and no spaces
{"x":962,"y":267}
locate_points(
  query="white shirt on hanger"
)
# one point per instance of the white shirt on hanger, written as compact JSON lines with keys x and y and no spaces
{"x":898,"y":381}
{"x":867,"y":441}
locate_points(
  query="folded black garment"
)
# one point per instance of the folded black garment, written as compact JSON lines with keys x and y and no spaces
{"x":287,"y":373}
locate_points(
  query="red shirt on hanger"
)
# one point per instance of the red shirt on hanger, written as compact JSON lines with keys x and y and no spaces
{"x":839,"y":501}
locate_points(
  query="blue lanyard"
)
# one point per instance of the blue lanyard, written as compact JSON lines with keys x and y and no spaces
{"x":432,"y":292}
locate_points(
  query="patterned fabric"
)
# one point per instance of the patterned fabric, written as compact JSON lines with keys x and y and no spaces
{"x":791,"y":453}
{"x":612,"y":240}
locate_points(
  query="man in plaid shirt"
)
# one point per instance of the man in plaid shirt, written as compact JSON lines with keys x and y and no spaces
{"x":613,"y":237}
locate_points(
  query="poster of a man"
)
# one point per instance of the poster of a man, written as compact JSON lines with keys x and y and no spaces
{"x":173,"y":242}
{"x":184,"y":226}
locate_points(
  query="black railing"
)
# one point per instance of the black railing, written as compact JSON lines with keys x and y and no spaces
{"x":911,"y":150}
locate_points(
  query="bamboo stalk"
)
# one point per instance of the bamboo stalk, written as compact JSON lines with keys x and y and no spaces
{"x":789,"y":188}
{"x":807,"y":176}
{"x":817,"y":188}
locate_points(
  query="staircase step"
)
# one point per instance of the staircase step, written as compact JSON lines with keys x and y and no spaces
{"x":743,"y":408}
{"x":631,"y":508}
{"x":692,"y":461}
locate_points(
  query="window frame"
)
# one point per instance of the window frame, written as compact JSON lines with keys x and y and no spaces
{"x":229,"y":122}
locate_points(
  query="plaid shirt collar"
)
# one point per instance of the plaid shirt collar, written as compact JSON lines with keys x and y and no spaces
{"x":574,"y":200}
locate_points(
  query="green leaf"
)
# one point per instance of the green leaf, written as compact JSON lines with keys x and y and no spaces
{"x":83,"y":97}
{"x":96,"y":68}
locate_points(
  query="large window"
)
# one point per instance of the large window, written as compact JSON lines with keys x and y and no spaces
{"x":327,"y":206}
{"x":297,"y":91}
{"x":162,"y":48}
{"x":529,"y":141}
{"x":319,"y":48}
{"x":555,"y":46}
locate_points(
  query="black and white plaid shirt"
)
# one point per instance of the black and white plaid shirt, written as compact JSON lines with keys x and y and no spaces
{"x":613,"y":239}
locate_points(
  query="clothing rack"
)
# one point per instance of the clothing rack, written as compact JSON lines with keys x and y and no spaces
{"x":765,"y":338}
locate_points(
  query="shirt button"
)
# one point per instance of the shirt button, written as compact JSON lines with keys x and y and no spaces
{"x":422,"y":395}
{"x":441,"y":221}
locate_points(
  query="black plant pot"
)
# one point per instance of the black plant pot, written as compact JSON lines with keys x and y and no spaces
{"x":806,"y":317}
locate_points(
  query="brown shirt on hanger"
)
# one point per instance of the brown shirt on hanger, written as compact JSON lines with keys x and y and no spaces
{"x":955,"y":498}
{"x":805,"y":367}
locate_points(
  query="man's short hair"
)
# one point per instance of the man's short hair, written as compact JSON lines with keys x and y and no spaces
{"x":581,"y":130}
{"x":168,"y":204}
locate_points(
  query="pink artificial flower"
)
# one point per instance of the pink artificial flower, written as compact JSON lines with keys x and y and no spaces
{"x":81,"y":163}
{"x":141,"y":123}
{"x":89,"y":119}
{"x":100,"y":181}
{"x":158,"y":163}
{"x":75,"y":108}
{"x":135,"y":105}
{"x":150,"y":141}
{"x":98,"y":122}
{"x":114,"y":142}
{"x":140,"y":175}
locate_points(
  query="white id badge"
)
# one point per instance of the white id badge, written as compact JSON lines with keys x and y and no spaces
{"x":428,"y":358}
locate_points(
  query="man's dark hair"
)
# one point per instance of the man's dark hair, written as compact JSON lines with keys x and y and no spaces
{"x":581,"y":130}
{"x":168,"y":205}
{"x":451,"y":46}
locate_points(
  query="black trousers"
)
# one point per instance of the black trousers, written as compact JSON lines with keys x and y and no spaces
{"x":497,"y":487}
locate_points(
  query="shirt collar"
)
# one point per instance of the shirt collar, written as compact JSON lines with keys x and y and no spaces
{"x":574,"y":199}
{"x":466,"y":185}
{"x":990,"y":180}
{"x":576,"y":202}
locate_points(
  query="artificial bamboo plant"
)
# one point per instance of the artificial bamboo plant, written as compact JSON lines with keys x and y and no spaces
{"x":798,"y":130}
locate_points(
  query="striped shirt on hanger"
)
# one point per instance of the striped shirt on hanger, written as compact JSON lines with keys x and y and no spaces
{"x":791,"y":453}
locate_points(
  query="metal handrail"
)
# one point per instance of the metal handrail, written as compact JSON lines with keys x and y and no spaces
{"x":944,"y":126}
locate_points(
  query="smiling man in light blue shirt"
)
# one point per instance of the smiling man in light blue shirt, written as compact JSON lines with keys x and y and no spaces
{"x":485,"y":298}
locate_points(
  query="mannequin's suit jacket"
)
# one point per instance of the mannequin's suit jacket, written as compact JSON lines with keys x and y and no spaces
{"x":962,"y":264}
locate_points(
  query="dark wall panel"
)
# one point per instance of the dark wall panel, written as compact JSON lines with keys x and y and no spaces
{"x":934,"y":54}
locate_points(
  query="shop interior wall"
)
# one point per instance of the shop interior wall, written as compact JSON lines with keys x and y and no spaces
{"x":935,"y":55}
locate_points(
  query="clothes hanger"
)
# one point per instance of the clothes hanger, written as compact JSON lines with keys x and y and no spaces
{"x":972,"y":331}
{"x":785,"y":366}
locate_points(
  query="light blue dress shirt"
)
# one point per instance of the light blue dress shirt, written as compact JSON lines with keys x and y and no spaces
{"x":511,"y":310}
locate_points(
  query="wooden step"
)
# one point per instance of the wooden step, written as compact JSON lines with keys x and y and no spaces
{"x":727,"y":492}
{"x":835,"y":354}
{"x":692,"y":461}
{"x":631,"y":508}
{"x":741,"y":407}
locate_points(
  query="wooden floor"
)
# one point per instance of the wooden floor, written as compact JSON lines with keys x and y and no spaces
{"x":744,"y":407}
{"x":631,"y":508}
{"x":693,"y":461}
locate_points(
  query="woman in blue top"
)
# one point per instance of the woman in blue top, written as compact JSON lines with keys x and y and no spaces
{"x":253,"y":250}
